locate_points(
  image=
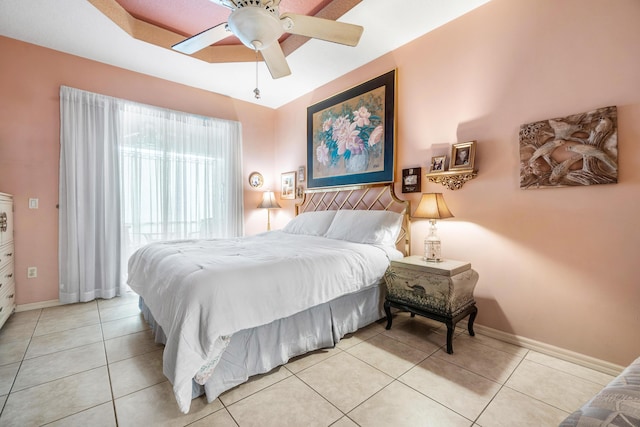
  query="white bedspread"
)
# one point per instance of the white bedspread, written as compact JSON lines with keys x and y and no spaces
{"x":202,"y":291}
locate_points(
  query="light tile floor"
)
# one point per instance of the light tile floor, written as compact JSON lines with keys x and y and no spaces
{"x":97,"y":364}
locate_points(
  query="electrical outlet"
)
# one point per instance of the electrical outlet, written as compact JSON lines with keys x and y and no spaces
{"x":32,"y":272}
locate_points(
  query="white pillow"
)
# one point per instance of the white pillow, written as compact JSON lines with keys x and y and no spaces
{"x":310,"y":223}
{"x":372,"y":227}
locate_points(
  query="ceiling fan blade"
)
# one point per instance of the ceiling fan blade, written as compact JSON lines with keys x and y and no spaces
{"x":227,"y":3}
{"x":203,"y":39}
{"x":276,"y":62}
{"x":323,"y":29}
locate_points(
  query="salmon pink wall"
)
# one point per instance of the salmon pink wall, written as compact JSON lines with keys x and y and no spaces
{"x":30,"y":78}
{"x":556,"y":265}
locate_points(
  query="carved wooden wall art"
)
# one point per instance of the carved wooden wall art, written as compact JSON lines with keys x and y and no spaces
{"x":581,"y":149}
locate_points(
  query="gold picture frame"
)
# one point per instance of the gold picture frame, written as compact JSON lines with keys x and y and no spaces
{"x":438,"y":163}
{"x":288,"y":185}
{"x":256,"y":180}
{"x":463,"y":155}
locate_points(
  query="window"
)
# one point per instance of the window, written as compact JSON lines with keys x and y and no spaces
{"x":131,"y":174}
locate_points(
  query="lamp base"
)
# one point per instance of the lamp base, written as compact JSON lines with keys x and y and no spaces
{"x":432,"y":248}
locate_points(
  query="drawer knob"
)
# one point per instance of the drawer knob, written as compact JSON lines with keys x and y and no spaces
{"x":10,"y":275}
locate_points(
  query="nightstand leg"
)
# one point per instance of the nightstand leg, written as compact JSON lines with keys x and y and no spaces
{"x":472,"y":317}
{"x":450,"y":328}
{"x":387,"y":310}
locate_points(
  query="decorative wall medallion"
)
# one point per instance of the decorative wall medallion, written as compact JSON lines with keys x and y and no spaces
{"x":256,"y":180}
{"x":581,"y":149}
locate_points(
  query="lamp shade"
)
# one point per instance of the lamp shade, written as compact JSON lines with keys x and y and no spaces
{"x":432,"y":206}
{"x":269,"y":201}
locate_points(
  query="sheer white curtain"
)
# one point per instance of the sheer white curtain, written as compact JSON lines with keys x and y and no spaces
{"x":131,"y":174}
{"x":89,"y":221}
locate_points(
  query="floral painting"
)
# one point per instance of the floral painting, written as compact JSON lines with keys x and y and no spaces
{"x":581,"y":149}
{"x":350,"y":136}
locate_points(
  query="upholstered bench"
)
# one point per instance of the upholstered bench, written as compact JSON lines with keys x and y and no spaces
{"x":618,"y":404}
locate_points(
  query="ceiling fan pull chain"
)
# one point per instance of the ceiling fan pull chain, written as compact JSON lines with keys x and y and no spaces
{"x":256,"y":91}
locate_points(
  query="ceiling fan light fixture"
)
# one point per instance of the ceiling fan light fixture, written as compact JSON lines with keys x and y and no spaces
{"x":253,"y":24}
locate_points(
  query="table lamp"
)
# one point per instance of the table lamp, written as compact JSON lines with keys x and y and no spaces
{"x":432,"y":207}
{"x":269,"y":202}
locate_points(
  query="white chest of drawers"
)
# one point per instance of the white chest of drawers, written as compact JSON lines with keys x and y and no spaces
{"x":7,"y":276}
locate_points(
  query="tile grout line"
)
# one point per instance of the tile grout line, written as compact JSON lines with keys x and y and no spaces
{"x":502,"y":385}
{"x":106,"y":359}
{"x":13,"y":383}
{"x":566,"y":372}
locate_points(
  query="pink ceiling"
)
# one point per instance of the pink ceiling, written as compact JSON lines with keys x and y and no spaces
{"x":189,"y":17}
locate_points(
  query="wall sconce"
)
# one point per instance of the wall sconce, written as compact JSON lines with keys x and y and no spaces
{"x":269,"y":202}
{"x":432,"y":207}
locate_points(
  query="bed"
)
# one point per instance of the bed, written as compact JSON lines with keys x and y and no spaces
{"x":228,"y":309}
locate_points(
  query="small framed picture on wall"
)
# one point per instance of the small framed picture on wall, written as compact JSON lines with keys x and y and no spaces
{"x":288,"y":185}
{"x":437,"y":163}
{"x":411,"y":180}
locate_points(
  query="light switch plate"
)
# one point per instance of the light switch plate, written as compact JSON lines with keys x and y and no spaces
{"x":33,"y":203}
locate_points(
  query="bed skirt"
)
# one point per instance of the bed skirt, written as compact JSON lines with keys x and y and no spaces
{"x":259,"y":350}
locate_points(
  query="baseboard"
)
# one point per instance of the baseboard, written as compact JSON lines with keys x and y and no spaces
{"x":560,"y":353}
{"x":37,"y":305}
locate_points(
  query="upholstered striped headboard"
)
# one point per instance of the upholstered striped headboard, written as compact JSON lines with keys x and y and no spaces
{"x":360,"y":197}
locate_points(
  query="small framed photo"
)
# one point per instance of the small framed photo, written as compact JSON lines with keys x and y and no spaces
{"x":301,"y":174}
{"x":300,"y":191}
{"x":437,"y":163}
{"x":288,"y":185}
{"x":462,"y":155}
{"x":411,"y":180}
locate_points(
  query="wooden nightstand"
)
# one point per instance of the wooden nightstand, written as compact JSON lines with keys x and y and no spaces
{"x":441,"y":291}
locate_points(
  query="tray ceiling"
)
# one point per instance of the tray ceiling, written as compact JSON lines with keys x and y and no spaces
{"x":80,"y":28}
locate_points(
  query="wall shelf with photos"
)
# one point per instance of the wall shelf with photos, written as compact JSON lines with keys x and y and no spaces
{"x":461,"y":166}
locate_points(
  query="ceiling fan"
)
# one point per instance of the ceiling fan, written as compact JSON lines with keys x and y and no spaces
{"x":258,"y":24}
